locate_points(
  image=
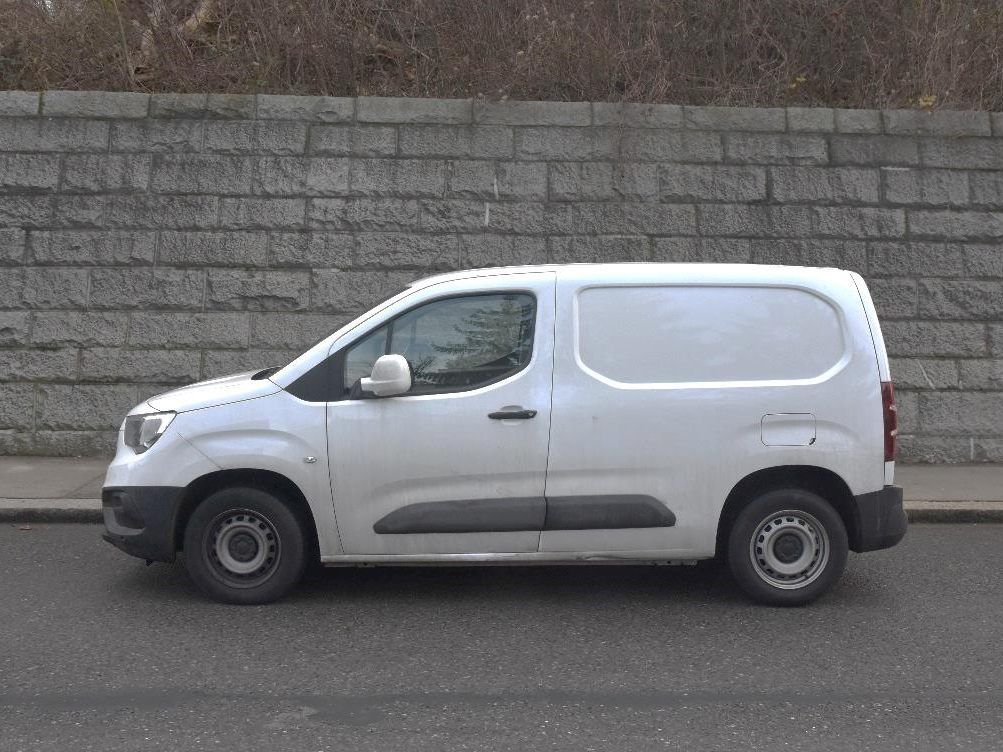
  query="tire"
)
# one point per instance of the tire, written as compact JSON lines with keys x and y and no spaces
{"x":787,"y":547}
{"x":244,"y":545}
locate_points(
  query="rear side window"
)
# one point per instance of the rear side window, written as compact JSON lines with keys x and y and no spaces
{"x":453,"y":344}
{"x":685,"y":334}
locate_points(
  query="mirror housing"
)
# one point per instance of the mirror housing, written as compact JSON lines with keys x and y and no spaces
{"x":391,"y":376}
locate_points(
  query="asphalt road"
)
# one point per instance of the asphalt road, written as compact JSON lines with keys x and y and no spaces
{"x":100,"y":652}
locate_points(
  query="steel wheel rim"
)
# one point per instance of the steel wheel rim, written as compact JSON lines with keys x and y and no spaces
{"x":789,"y":549}
{"x":242,"y":548}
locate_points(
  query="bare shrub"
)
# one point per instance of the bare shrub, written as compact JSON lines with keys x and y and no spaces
{"x":853,"y":53}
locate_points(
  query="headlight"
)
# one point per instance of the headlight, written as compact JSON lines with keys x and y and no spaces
{"x":142,"y":431}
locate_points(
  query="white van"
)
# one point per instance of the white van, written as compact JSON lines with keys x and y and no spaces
{"x":659,"y":413}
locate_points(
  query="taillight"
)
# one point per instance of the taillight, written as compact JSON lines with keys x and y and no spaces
{"x":891,"y":418}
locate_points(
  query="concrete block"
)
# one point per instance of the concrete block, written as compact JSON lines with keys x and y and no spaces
{"x":987,"y":188}
{"x":358,"y":140}
{"x":412,"y":178}
{"x":412,"y":110}
{"x":14,"y":328}
{"x":532,"y":113}
{"x":54,"y":288}
{"x":364,"y":213}
{"x":294,"y":331}
{"x":240,"y":290}
{"x":225,"y":362}
{"x":84,"y":406}
{"x":983,"y":260}
{"x":161,"y":211}
{"x":213,"y":248}
{"x":473,"y":141}
{"x":352,"y":291}
{"x":25,"y":210}
{"x":312,"y":109}
{"x":566,"y":143}
{"x":960,"y":225}
{"x":255,"y":137}
{"x":711,"y":183}
{"x":946,"y":413}
{"x":598,"y":248}
{"x":474,"y":216}
{"x":264,"y":213}
{"x":935,"y":338}
{"x":857,"y":222}
{"x":703,"y":250}
{"x":825,"y":184}
{"x":12,"y":242}
{"x":92,"y":247}
{"x":501,"y":250}
{"x":164,"y":289}
{"x":858,"y":121}
{"x":312,"y":249}
{"x":106,"y":173}
{"x":750,"y":220}
{"x":632,"y":115}
{"x":388,"y":250}
{"x":79,"y":329}
{"x":277,"y":176}
{"x":79,"y":210}
{"x":934,"y":449}
{"x":171,"y":105}
{"x":45,"y":135}
{"x":894,"y":298}
{"x":581,"y":181}
{"x":633,"y":218}
{"x":981,"y":375}
{"x":38,"y":365}
{"x":874,"y":150}
{"x":735,"y":118}
{"x":970,"y":300}
{"x":936,"y":123}
{"x":474,"y":179}
{"x":522,"y":181}
{"x":230,"y":106}
{"x":924,"y":373}
{"x":996,"y":340}
{"x":68,"y":443}
{"x":13,"y":103}
{"x":667,"y":146}
{"x":216,"y":330}
{"x":842,"y":254}
{"x":925,"y":187}
{"x":114,"y":364}
{"x":760,"y":148}
{"x":11,"y":288}
{"x":811,"y":119}
{"x":157,"y":136}
{"x":17,"y":406}
{"x":202,"y":173}
{"x":963,"y":153}
{"x":909,"y":257}
{"x":28,"y":173}
{"x":95,"y":104}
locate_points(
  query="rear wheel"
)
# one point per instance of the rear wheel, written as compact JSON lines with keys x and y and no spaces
{"x":244,"y":545}
{"x":787,"y":547}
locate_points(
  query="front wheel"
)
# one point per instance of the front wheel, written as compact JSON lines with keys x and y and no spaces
{"x":245,"y":546}
{"x":787,"y":547}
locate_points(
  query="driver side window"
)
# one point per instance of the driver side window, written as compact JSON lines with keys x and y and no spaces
{"x":453,"y":344}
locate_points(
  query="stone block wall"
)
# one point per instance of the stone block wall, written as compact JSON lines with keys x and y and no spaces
{"x":150,"y":241}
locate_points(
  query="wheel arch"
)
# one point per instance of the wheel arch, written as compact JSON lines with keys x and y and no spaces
{"x":822,"y":481}
{"x":267,"y":480}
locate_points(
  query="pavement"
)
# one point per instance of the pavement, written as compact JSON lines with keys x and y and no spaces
{"x":53,"y":489}
{"x":101,"y":652}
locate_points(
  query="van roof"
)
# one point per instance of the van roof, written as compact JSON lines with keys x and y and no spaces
{"x":642,"y":271}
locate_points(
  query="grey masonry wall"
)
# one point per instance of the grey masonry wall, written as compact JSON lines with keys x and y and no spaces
{"x":150,"y":241}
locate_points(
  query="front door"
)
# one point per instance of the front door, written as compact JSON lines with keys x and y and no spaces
{"x":457,"y":465}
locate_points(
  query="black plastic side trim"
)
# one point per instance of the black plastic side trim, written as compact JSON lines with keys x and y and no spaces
{"x":140,"y":519}
{"x":882,"y":521}
{"x":465,"y":516}
{"x":606,"y":512}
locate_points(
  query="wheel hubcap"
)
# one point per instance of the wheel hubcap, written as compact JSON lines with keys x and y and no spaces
{"x":242,"y":548}
{"x":790,"y":549}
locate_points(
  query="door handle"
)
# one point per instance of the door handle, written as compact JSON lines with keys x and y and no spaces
{"x":512,"y":413}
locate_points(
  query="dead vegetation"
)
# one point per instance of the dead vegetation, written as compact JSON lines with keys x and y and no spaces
{"x":850,"y":53}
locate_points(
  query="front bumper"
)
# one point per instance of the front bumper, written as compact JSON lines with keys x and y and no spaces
{"x":141,"y":520}
{"x":881,"y":520}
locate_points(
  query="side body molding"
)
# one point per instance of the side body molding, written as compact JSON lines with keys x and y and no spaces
{"x":506,"y":515}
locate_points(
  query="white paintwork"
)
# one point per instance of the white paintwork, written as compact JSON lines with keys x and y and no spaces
{"x":391,"y":377}
{"x":651,"y":415}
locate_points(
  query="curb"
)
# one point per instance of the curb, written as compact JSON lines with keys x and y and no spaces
{"x":89,"y":511}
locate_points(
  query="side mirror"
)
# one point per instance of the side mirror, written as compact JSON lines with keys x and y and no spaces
{"x":391,"y":376}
